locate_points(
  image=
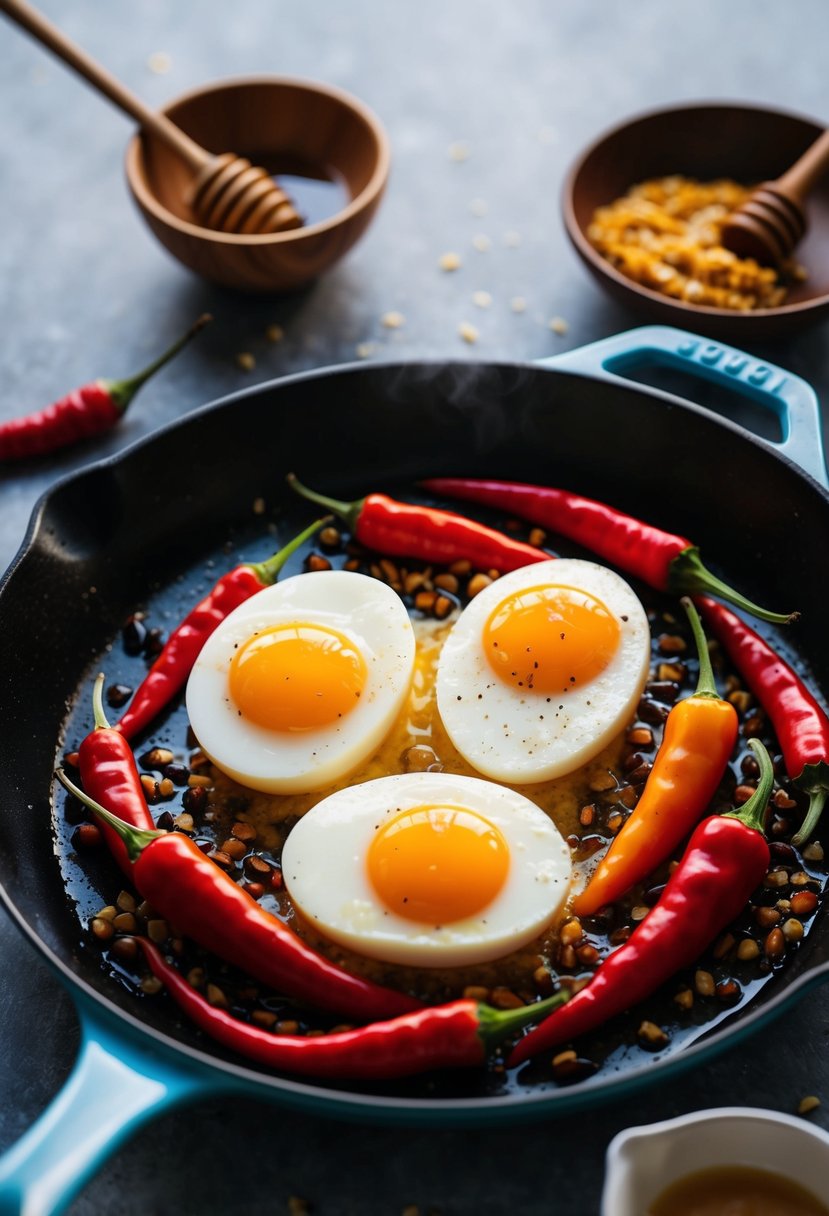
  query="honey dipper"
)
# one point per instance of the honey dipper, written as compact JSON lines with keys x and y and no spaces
{"x":227,"y":192}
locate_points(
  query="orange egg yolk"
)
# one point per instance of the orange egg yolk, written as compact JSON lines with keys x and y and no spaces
{"x":437,"y":864}
{"x":550,"y":639}
{"x":296,"y":677}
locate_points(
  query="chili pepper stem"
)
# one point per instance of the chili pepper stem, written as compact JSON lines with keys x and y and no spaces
{"x":817,"y":798}
{"x":689,"y":574}
{"x":268,"y":571}
{"x":753,"y":812}
{"x":495,"y":1025}
{"x":348,"y":512}
{"x":135,"y":839}
{"x":123,"y":391}
{"x":101,"y":722}
{"x":706,"y":685}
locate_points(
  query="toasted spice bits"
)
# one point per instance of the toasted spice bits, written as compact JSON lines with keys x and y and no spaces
{"x":450,"y":261}
{"x":665,"y":234}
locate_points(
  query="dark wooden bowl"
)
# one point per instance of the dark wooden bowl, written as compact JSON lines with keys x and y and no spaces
{"x":748,"y":143}
{"x":269,"y":120}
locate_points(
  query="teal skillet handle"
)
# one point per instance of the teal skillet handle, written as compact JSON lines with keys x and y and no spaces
{"x":791,"y":399}
{"x":116,"y":1086}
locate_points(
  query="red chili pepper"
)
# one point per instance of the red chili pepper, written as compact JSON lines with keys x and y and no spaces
{"x":170,"y":670}
{"x":725,"y":860}
{"x":700,"y":733}
{"x":187,"y":889}
{"x":406,"y":530}
{"x":661,"y":559}
{"x":86,"y":411}
{"x":107,"y":770}
{"x":456,"y":1035}
{"x":801,"y":726}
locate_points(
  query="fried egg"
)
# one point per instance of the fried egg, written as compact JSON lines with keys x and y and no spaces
{"x":543,"y":669}
{"x":427,"y":869}
{"x":300,"y":684}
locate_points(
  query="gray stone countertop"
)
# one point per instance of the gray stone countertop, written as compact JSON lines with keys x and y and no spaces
{"x":486,"y":106}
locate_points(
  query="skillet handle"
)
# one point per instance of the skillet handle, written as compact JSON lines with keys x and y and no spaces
{"x":789,"y":397}
{"x":115,"y":1086}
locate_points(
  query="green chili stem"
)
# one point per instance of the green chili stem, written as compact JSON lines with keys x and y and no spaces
{"x":753,"y":812}
{"x":690,"y":576}
{"x":268,"y":571}
{"x":498,"y":1024}
{"x":706,"y":685}
{"x":817,"y":798}
{"x":123,"y":391}
{"x":135,"y":839}
{"x":98,"y":703}
{"x":347,"y":511}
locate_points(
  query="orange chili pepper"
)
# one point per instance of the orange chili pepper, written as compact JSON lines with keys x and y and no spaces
{"x":700,"y":733}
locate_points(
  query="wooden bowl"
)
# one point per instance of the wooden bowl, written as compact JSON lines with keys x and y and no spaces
{"x":308,"y":130}
{"x":747,"y":143}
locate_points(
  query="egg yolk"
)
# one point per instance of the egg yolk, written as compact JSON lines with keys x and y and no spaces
{"x":296,"y":676}
{"x":437,"y":864}
{"x":549,"y":639}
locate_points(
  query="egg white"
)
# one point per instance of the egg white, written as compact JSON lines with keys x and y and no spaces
{"x":520,"y":735}
{"x":376,"y":622}
{"x":324,"y":867}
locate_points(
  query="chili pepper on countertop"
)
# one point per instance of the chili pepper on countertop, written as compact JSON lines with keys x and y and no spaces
{"x":404,"y":529}
{"x":725,"y":860}
{"x":457,"y":1035}
{"x":700,"y":733}
{"x":801,"y":726}
{"x":107,"y":770}
{"x":662,"y":560}
{"x":189,"y":890}
{"x":170,"y":670}
{"x":86,"y":411}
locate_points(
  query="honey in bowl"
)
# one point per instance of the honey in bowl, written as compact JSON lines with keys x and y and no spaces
{"x":736,"y":1190}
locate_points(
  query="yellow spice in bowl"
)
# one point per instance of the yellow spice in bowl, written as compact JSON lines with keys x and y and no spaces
{"x":665,"y":234}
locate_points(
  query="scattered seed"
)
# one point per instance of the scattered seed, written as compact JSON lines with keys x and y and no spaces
{"x":316,"y":561}
{"x":274,"y":333}
{"x":704,"y":983}
{"x":775,"y":944}
{"x":246,"y":361}
{"x":804,"y":903}
{"x":459,"y":151}
{"x":476,"y":992}
{"x":684,"y":999}
{"x":393,"y":320}
{"x":481,"y":242}
{"x":364,"y":350}
{"x":450,"y":261}
{"x":481,"y":299}
{"x":159,"y":63}
{"x":559,"y":326}
{"x":808,"y":1104}
{"x":468,"y":332}
{"x":518,"y":304}
{"x":652,"y":1036}
{"x":216,"y":997}
{"x":477,"y":584}
{"x":792,"y":929}
{"x":505,"y":998}
{"x":102,"y":929}
{"x":150,"y":985}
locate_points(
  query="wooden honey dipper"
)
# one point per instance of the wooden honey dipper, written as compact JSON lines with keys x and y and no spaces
{"x":227,"y":193}
{"x":772,"y":220}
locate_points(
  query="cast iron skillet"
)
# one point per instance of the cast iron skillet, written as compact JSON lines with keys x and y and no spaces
{"x":101,"y":541}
